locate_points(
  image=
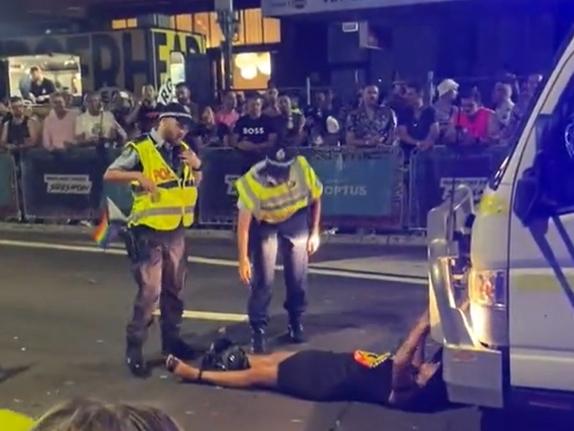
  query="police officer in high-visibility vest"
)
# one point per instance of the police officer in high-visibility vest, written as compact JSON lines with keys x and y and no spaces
{"x":163,"y":173}
{"x":279,"y":208}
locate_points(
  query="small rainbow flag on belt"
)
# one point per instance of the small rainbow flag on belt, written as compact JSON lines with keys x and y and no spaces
{"x":110,"y":225}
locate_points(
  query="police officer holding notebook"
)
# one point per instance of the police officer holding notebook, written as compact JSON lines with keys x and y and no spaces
{"x":163,"y":173}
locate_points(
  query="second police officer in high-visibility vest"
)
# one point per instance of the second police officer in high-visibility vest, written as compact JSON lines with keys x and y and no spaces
{"x":279,"y":208}
{"x":163,"y":172}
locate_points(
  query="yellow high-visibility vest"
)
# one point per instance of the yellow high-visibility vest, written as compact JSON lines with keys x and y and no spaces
{"x":174,"y":204}
{"x":276,"y":203}
{"x":12,"y":421}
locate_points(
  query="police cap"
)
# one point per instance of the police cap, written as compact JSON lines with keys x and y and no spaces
{"x":281,"y":156}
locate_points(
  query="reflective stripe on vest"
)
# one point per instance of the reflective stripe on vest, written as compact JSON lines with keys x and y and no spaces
{"x":301,"y":191}
{"x":246,"y":192}
{"x":276,"y":204}
{"x":169,"y":185}
{"x":275,"y":208}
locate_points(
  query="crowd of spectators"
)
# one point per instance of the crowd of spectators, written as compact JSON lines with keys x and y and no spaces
{"x":250,"y":123}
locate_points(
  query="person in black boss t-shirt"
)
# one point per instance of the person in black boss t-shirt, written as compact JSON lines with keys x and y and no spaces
{"x":403,"y":379}
{"x":253,"y":134}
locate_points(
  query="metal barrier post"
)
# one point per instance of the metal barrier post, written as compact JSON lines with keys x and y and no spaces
{"x":9,"y":207}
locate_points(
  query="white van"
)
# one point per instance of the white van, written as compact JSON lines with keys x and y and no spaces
{"x":502,"y":273}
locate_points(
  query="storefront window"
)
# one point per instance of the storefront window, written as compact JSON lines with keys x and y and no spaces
{"x":253,"y":24}
{"x":215,"y":36}
{"x":184,"y":22}
{"x":271,"y":30}
{"x":201,"y":23}
{"x":121,"y":24}
{"x":253,"y":29}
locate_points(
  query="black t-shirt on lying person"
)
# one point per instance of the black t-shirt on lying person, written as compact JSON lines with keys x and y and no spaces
{"x":327,"y":376}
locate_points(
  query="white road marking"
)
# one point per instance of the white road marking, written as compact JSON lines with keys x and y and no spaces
{"x":211,"y":316}
{"x":220,"y":262}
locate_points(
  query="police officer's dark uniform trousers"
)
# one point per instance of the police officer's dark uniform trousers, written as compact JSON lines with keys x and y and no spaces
{"x":280,"y":221}
{"x":156,"y":245}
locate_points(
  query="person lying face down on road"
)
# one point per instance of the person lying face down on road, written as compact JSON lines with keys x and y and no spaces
{"x":402,"y":380}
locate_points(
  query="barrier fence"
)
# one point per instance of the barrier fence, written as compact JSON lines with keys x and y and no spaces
{"x":432,"y":173}
{"x":362,"y":188}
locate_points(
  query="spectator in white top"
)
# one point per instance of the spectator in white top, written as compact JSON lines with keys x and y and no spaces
{"x":445,"y":109}
{"x":96,"y":126}
{"x":503,"y":106}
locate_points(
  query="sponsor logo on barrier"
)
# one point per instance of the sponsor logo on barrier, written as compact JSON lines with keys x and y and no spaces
{"x":476,"y":184}
{"x":345,"y":190}
{"x":230,"y":181}
{"x":68,"y":184}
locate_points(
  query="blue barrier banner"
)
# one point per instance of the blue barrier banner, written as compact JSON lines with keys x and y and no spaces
{"x":120,"y":194}
{"x":63,"y":185}
{"x":361,"y":187}
{"x":217,"y":195}
{"x":433,"y":172}
{"x":8,"y":191}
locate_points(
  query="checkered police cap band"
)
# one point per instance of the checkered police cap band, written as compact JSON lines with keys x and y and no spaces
{"x":280,"y":164}
{"x":280,"y":159}
{"x":177,"y":115}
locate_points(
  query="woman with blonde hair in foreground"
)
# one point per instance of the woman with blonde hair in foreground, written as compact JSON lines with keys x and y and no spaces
{"x":92,"y":415}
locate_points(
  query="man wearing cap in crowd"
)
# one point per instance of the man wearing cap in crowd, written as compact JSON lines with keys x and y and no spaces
{"x":445,"y":109}
{"x":163,"y":173}
{"x":279,"y":207}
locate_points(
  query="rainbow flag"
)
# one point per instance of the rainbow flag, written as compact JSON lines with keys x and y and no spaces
{"x":102,"y":231}
{"x":110,"y":225}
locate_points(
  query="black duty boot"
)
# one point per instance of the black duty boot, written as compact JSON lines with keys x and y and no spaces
{"x":177,"y":347}
{"x":135,"y":360}
{"x":296,"y":331}
{"x":258,"y":341}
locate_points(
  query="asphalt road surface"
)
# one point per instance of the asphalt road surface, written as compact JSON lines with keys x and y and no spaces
{"x":63,"y":313}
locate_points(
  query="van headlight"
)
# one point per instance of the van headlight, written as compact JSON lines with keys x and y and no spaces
{"x":488,"y":288}
{"x":487,"y":291}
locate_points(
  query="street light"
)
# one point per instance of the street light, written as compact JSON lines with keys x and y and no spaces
{"x":228,"y":21}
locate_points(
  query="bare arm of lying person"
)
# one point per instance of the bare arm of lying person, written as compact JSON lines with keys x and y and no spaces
{"x":328,"y":376}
